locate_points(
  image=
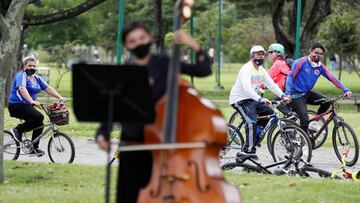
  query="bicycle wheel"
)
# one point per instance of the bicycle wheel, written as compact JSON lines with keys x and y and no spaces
{"x":313,"y":172}
{"x":344,"y":138}
{"x":322,"y":137}
{"x":243,"y":167}
{"x":235,"y":118}
{"x":291,"y":141}
{"x":11,"y":148}
{"x":61,"y":148}
{"x":234,"y":144}
{"x":273,"y":129}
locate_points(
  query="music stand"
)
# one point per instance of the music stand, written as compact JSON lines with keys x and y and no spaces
{"x":112,"y":93}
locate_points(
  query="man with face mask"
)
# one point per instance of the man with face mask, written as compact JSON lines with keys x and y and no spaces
{"x":244,"y":97}
{"x":135,"y":167}
{"x":302,"y":78}
{"x":22,"y":100}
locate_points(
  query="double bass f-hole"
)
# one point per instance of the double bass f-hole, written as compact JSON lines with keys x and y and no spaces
{"x":197,"y":176}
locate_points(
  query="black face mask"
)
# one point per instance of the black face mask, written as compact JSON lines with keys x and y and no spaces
{"x":30,"y":71}
{"x":259,"y":62}
{"x":142,"y":50}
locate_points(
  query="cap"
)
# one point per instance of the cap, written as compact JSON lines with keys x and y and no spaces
{"x":257,"y":48}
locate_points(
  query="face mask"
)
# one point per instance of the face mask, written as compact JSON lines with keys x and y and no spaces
{"x":316,"y":59}
{"x":30,"y":71}
{"x":141,"y":51}
{"x":259,"y":62}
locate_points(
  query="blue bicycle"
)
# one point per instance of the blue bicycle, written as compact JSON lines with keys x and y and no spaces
{"x":288,"y":138}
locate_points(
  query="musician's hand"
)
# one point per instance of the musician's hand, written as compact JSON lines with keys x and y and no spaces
{"x":102,"y":143}
{"x":181,"y":37}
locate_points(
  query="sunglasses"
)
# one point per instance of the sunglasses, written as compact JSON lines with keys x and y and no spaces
{"x":32,"y":66}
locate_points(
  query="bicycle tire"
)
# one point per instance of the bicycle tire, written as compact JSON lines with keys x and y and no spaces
{"x":57,"y":135}
{"x":233,"y":117}
{"x":271,"y":132}
{"x":335,"y":138}
{"x":234,"y":143}
{"x":303,"y":141}
{"x":322,"y":138}
{"x":245,"y":167}
{"x":311,"y":171}
{"x":10,"y":143}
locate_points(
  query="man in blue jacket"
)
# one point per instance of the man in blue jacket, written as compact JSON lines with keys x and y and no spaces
{"x":304,"y":73}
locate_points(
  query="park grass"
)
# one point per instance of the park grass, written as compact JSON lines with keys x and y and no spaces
{"x":39,"y":182}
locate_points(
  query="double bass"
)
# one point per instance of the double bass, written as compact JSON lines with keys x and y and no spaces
{"x":187,"y":174}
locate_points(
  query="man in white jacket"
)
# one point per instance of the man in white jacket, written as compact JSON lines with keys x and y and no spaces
{"x":245,"y":99}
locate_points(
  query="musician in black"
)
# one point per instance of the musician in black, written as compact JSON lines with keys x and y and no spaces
{"x":135,"y":167}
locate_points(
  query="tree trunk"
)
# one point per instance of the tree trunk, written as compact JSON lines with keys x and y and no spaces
{"x":2,"y":83}
{"x":10,"y":31}
{"x":320,"y":9}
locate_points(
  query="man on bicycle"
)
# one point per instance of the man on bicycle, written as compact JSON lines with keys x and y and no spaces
{"x":244,"y":97}
{"x":22,"y":100}
{"x":302,"y":78}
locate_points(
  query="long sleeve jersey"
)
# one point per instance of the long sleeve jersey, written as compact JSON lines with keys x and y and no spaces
{"x":278,"y":72}
{"x":248,"y":82}
{"x":303,"y":77}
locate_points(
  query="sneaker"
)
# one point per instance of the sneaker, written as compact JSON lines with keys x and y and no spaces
{"x":314,"y":125}
{"x":247,"y":155}
{"x":16,"y":134}
{"x":38,"y":152}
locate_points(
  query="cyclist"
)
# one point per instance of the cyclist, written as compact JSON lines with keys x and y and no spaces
{"x":279,"y":71}
{"x":302,"y":78}
{"x":22,"y":100}
{"x":245,"y":99}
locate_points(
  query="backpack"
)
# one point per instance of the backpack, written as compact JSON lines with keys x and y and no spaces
{"x":289,"y":61}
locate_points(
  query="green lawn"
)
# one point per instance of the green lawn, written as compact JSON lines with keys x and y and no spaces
{"x":38,"y":182}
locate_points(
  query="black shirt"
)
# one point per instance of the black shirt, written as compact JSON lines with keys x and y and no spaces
{"x":158,"y":69}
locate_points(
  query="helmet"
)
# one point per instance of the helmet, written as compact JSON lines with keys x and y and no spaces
{"x":257,"y":48}
{"x":277,"y":47}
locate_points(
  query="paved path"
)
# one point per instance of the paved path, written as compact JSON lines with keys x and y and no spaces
{"x":87,"y":153}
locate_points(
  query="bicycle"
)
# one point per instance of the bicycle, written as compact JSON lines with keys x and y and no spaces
{"x":60,"y":147}
{"x":345,"y":141}
{"x":347,"y":174}
{"x":291,"y":135}
{"x":236,"y":118}
{"x":291,"y":167}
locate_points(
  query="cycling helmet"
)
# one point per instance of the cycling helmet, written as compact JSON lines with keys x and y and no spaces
{"x":278,"y":48}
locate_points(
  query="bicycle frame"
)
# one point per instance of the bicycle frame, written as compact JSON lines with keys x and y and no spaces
{"x":273,"y":120}
{"x":333,"y":115}
{"x":47,"y":128}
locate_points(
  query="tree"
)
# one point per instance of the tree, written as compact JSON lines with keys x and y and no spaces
{"x":313,"y":14}
{"x":12,"y":19}
{"x":339,"y":33}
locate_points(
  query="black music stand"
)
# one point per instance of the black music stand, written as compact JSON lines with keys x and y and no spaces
{"x":112,"y":93}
